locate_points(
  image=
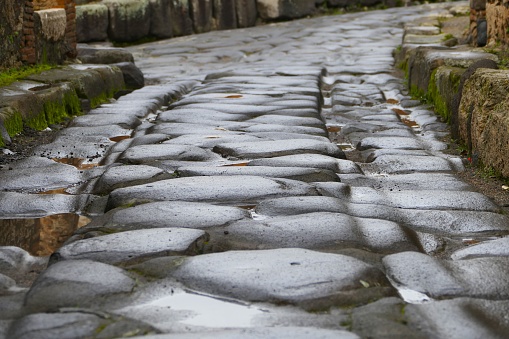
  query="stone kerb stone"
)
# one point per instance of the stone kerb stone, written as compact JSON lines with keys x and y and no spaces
{"x":91,"y":22}
{"x":284,"y":9}
{"x":201,"y":15}
{"x":129,"y":20}
{"x":497,"y":14}
{"x":483,"y":118}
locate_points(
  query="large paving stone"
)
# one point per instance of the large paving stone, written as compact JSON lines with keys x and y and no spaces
{"x":310,"y":279}
{"x":262,"y":332}
{"x":473,"y":318}
{"x":133,"y":246}
{"x":91,"y":22}
{"x":76,"y":324}
{"x":232,"y":189}
{"x":450,"y":222}
{"x":394,"y":164}
{"x":260,"y":128}
{"x":309,"y":160}
{"x":168,"y":214}
{"x":284,"y":9}
{"x":38,"y":174}
{"x":160,"y":18}
{"x":323,"y":231}
{"x":150,"y":153}
{"x":128,"y":175}
{"x":209,"y":141}
{"x":478,"y":278}
{"x":77,"y":283}
{"x":39,"y":205}
{"x":493,"y":248}
{"x":129,"y":20}
{"x":268,"y":149}
{"x":294,"y":173}
{"x":128,"y":122}
{"x":389,"y":142}
{"x":197,"y":115}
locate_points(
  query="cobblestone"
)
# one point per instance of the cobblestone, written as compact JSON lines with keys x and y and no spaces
{"x":276,"y":181}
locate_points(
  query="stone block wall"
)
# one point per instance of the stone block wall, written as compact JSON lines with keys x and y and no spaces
{"x":28,"y":33}
{"x":135,"y":20}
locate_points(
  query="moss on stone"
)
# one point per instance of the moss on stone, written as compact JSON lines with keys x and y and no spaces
{"x":433,"y":95}
{"x":14,"y":124}
{"x":37,"y":122}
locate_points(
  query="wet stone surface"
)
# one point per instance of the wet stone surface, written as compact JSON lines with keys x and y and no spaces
{"x":276,"y":182}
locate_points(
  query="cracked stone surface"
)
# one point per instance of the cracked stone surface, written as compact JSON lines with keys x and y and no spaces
{"x":276,"y":181}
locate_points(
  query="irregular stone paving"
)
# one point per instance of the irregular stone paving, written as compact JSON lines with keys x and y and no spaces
{"x":278,"y":182}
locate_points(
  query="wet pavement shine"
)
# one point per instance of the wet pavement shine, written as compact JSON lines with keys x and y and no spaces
{"x":272,"y":182}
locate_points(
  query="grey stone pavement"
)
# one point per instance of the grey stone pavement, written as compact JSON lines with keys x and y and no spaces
{"x":274,"y":182}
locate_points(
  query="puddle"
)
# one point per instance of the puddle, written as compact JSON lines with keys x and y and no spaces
{"x":56,"y":191}
{"x":79,"y":163}
{"x":40,"y":236}
{"x":410,"y":123}
{"x":208,"y":311}
{"x":238,"y":164}
{"x":333,"y":129}
{"x":400,"y":111}
{"x":40,"y":88}
{"x":120,"y":138}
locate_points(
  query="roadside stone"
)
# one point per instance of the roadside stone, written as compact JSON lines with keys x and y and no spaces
{"x":91,"y":22}
{"x":284,"y":9}
{"x":181,"y":18}
{"x":160,"y":18}
{"x":134,"y":246}
{"x":224,"y":14}
{"x":264,"y":149}
{"x":210,"y":141}
{"x":79,"y":283}
{"x":309,"y":160}
{"x":319,"y":231}
{"x":233,"y":189}
{"x":133,"y":77}
{"x":29,"y":176}
{"x":316,"y":280}
{"x":201,"y":15}
{"x":394,"y":164}
{"x":294,"y":173}
{"x":472,"y":318}
{"x":129,"y":20}
{"x":389,"y":142}
{"x":103,"y":55}
{"x":127,"y":122}
{"x":246,"y":13}
{"x":73,"y":323}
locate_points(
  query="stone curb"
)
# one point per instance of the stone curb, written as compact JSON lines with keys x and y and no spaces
{"x":51,"y":96}
{"x":463,"y":87}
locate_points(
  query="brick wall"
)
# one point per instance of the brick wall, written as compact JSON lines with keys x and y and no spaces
{"x":20,"y":39}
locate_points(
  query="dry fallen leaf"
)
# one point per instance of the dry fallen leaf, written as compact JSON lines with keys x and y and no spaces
{"x":392,"y":101}
{"x":220,"y":129}
{"x":364,"y":283}
{"x":504,"y":187}
{"x":212,"y":137}
{"x":235,"y":96}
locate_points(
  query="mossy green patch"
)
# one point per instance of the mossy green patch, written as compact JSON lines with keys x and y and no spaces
{"x":9,"y":76}
{"x":37,"y":122}
{"x":435,"y":97}
{"x":14,"y":124}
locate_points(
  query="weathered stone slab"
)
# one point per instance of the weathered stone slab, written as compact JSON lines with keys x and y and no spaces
{"x":161,"y":18}
{"x":288,"y":121}
{"x":310,"y":279}
{"x":37,"y":174}
{"x":309,"y":160}
{"x":181,"y":18}
{"x":246,"y":13}
{"x":323,"y":231}
{"x":168,"y":214}
{"x":76,"y":324}
{"x":233,"y":189}
{"x":91,"y":22}
{"x":129,"y":20}
{"x":225,"y":14}
{"x":149,"y":153}
{"x":263,"y":332}
{"x":472,"y":318}
{"x":133,"y":246}
{"x":294,"y":173}
{"x":196,"y":115}
{"x":128,"y":175}
{"x":77,"y":283}
{"x":284,"y":9}
{"x":479,"y":278}
{"x":389,"y":142}
{"x":260,"y":128}
{"x":394,"y":164}
{"x":124,"y":121}
{"x":267,"y":149}
{"x":493,"y":248}
{"x":201,"y":15}
{"x":209,"y":141}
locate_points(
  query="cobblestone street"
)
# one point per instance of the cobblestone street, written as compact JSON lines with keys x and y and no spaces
{"x":269,"y":182}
